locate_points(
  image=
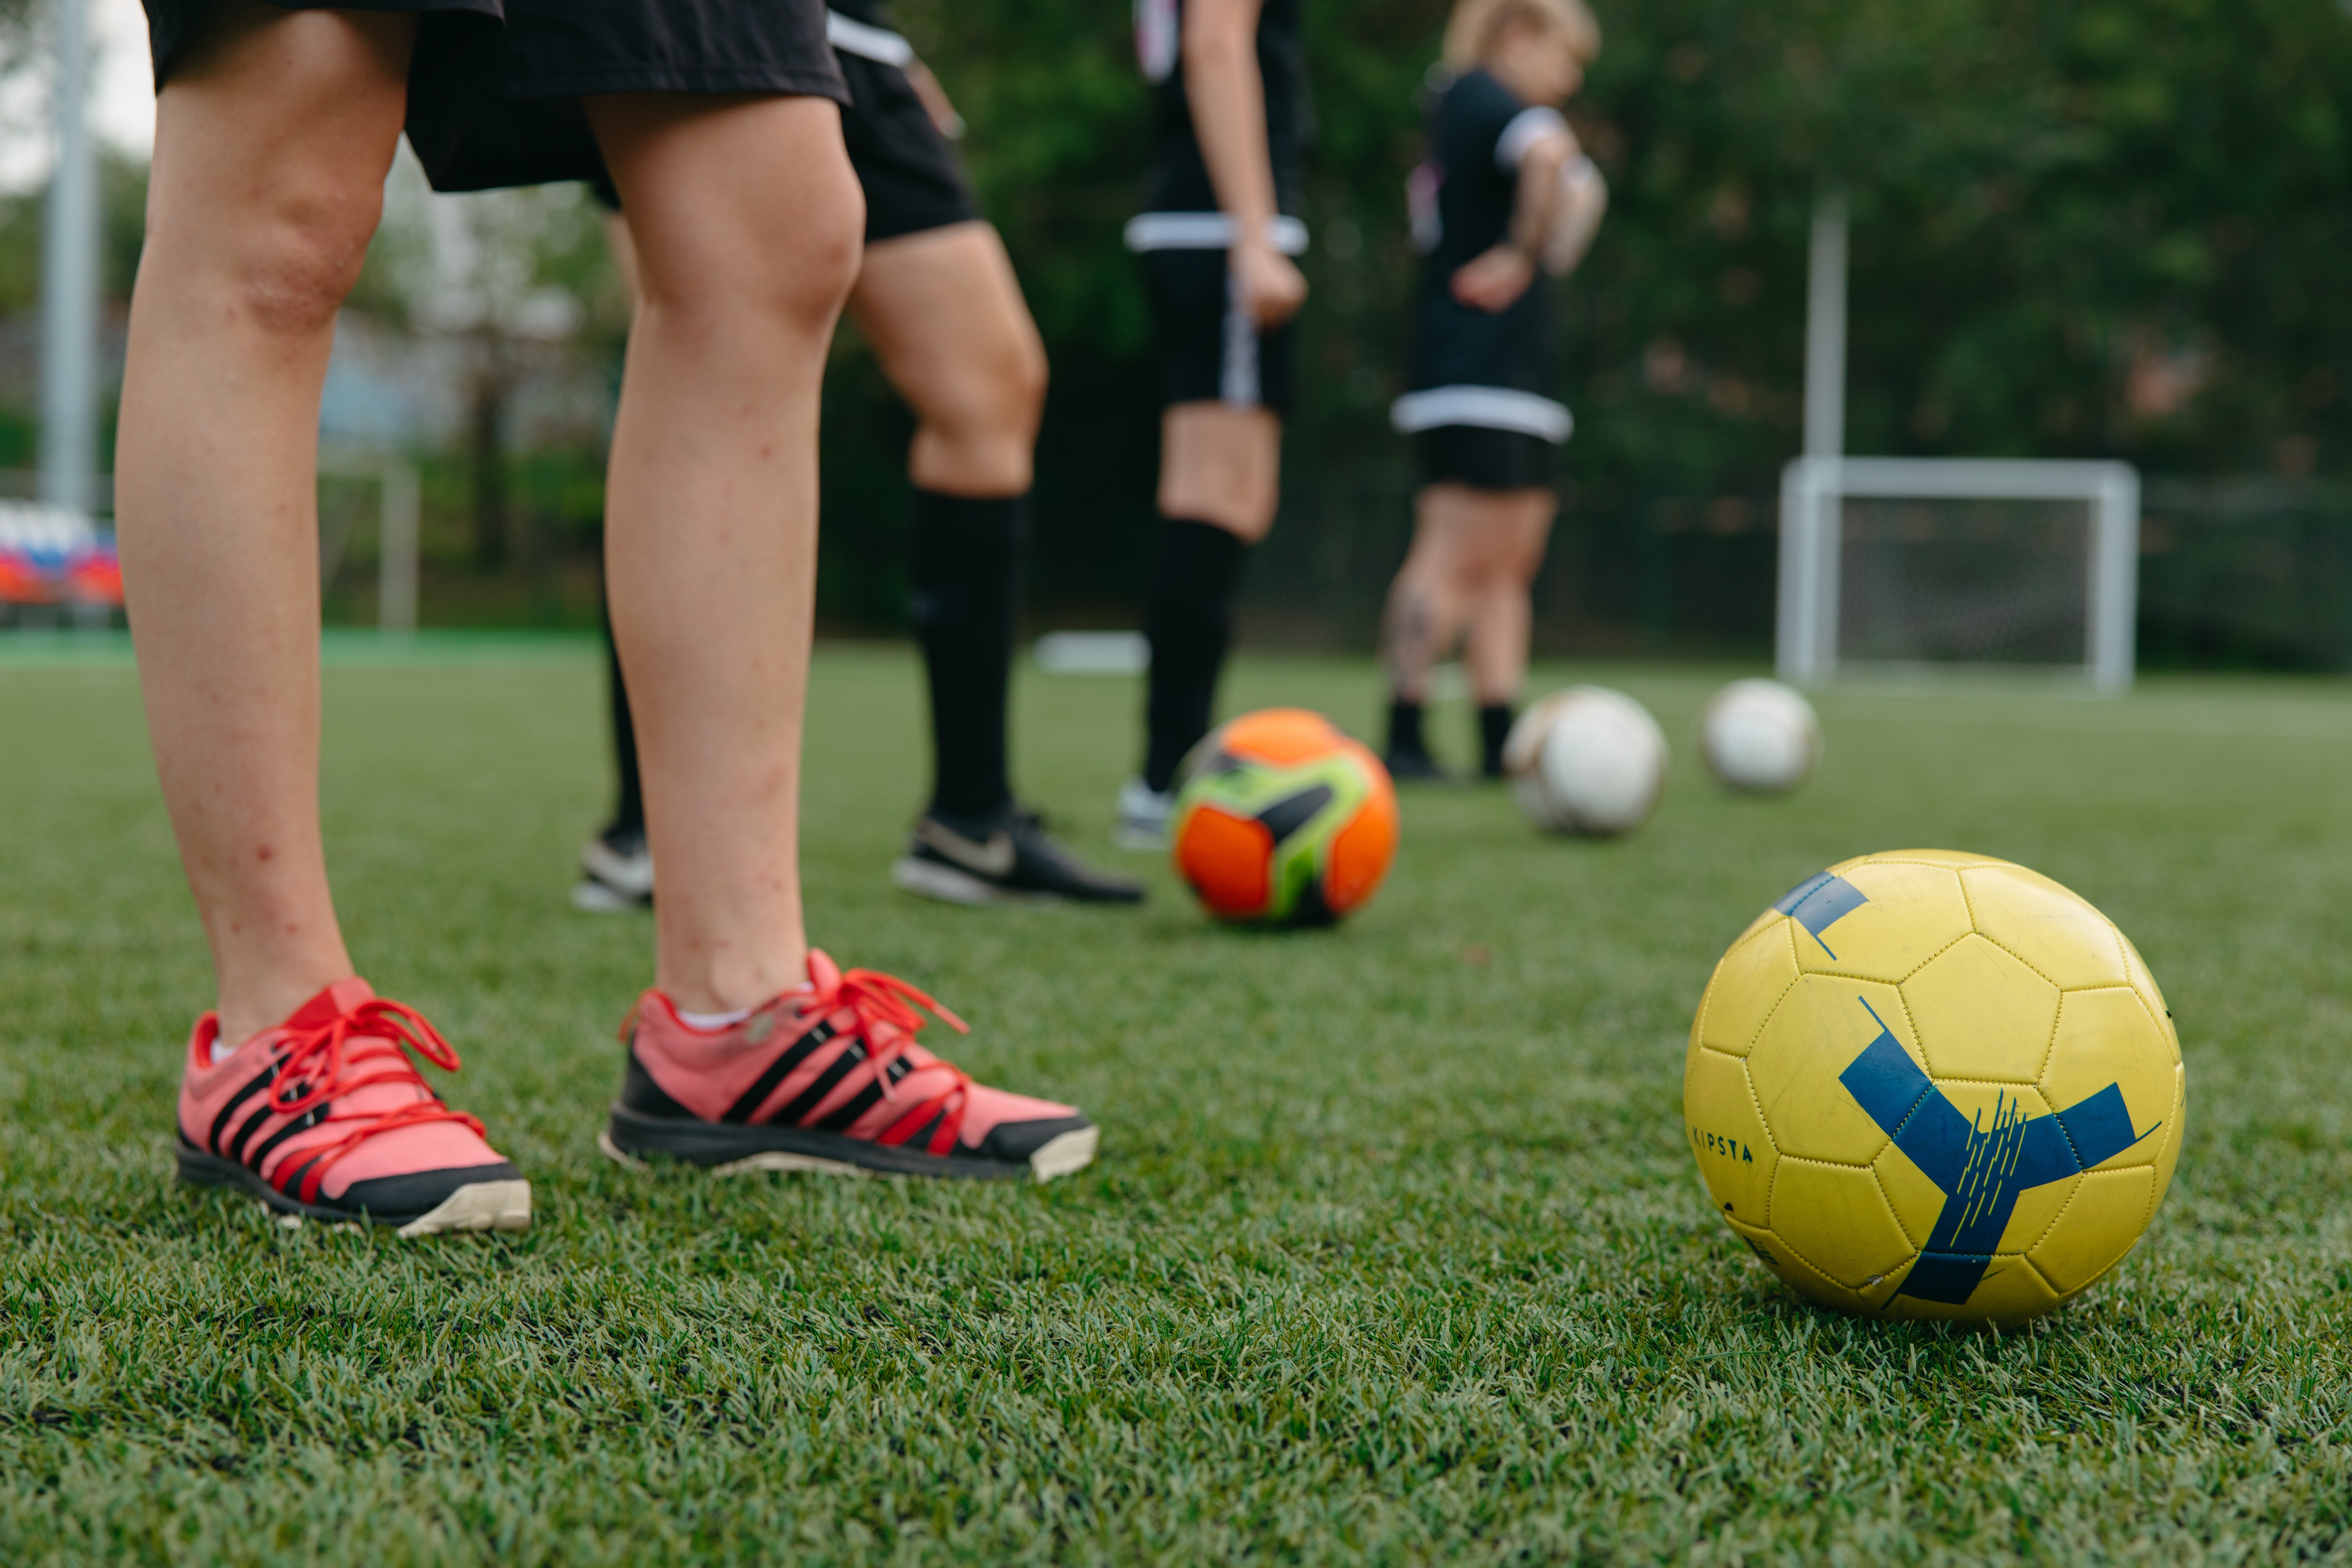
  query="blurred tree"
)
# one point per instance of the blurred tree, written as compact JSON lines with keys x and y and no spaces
{"x":2104,"y":228}
{"x":2082,"y":227}
{"x":523,"y":280}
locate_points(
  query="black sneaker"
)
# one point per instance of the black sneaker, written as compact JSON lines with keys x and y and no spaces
{"x":616,"y":872}
{"x":1416,"y":767}
{"x":1008,"y":857}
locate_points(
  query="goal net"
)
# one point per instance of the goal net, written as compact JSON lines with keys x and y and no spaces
{"x":1905,"y":563}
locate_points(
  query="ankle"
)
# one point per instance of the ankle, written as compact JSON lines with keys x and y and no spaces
{"x":256,"y":1004}
{"x":1405,"y":735}
{"x":717,"y":989}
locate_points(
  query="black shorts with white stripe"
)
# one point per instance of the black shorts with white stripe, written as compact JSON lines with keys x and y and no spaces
{"x":1483,"y":458}
{"x":1488,"y":438}
{"x":912,"y":178}
{"x":1210,"y":349}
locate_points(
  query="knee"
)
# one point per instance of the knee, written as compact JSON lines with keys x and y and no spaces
{"x":1021,"y":376}
{"x":292,"y":255}
{"x":995,"y":400}
{"x":746,"y":279}
{"x":806,"y":269}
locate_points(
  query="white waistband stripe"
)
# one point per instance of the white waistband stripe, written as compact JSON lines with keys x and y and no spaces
{"x":1488,"y":407}
{"x":1207,"y":231}
{"x":871,"y":42}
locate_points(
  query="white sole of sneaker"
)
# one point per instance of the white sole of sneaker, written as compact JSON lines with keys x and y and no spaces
{"x":629,"y":876}
{"x":930,"y":880}
{"x":1144,"y":840}
{"x":801,"y":1164}
{"x":484,"y":1206}
{"x":592,"y":896}
{"x":772,"y":1161}
{"x":1060,"y":1156}
{"x":1070,"y":1152}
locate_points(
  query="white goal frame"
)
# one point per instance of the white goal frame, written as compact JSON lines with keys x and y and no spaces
{"x":399,"y":506}
{"x":1812,"y":493}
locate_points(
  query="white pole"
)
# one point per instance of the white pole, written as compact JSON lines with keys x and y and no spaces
{"x":2114,"y":579}
{"x":395,"y":583}
{"x":1806,"y":637}
{"x":1825,"y":330}
{"x":1793,"y":640}
{"x":69,"y":280}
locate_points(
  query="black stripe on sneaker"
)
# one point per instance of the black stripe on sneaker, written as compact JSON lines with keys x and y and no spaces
{"x":291,"y":1184}
{"x":303,"y":1123}
{"x":220,"y":1123}
{"x":846,"y":1114}
{"x":851,"y":1055}
{"x":779,"y":1070}
{"x":850,"y":1109}
{"x":245,"y":1133}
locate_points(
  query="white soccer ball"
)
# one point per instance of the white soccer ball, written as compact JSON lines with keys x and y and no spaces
{"x":1587,"y":760}
{"x":1760,"y":737}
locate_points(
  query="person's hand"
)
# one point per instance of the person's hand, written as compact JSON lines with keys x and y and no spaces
{"x":1266,"y":283}
{"x":935,"y":101}
{"x":1496,"y":280}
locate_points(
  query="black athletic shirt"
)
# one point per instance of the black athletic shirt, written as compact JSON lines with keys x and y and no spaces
{"x":1179,"y":180}
{"x":873,"y":13}
{"x":1462,"y":198}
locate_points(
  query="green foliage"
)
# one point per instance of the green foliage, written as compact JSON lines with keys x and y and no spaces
{"x":122,"y":218}
{"x":2056,"y":207}
{"x":2082,"y":227}
{"x":1395,"y":1254}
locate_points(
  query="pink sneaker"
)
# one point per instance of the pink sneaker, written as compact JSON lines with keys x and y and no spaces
{"x":325,"y":1116}
{"x":828,"y":1077}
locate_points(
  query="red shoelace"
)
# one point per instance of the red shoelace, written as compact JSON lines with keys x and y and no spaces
{"x":368,"y":1045}
{"x":887,"y":1020}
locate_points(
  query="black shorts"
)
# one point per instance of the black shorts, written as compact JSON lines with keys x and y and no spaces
{"x":494,"y":88}
{"x":1483,"y":458}
{"x":912,"y":178}
{"x":1210,"y":351}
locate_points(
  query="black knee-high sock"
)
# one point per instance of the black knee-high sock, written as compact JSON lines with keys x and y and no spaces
{"x":629,"y":811}
{"x":1188,"y":613}
{"x":1494,"y":729}
{"x":1406,"y":739}
{"x":963,"y":562}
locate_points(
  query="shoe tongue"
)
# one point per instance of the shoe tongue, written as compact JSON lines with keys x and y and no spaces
{"x":822,"y":973}
{"x":343,"y":997}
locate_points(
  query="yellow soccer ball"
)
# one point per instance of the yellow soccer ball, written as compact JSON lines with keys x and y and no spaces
{"x":1933,"y":1085}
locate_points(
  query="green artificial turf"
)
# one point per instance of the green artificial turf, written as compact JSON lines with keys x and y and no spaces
{"x":1394,"y":1254}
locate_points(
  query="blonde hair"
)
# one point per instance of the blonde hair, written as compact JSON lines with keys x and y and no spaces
{"x":1475,"y":26}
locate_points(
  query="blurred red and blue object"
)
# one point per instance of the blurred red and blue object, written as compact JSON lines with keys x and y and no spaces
{"x":53,"y":555}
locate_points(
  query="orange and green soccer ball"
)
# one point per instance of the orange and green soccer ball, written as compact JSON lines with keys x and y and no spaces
{"x":1283,"y":820}
{"x":1933,"y":1085}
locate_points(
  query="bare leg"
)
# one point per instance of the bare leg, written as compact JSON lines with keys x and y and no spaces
{"x":1500,"y":615}
{"x":1220,"y":466}
{"x":1220,"y":478}
{"x":272,"y":141}
{"x":1473,"y":555}
{"x":945,"y":315}
{"x":1426,"y":603}
{"x":746,"y":217}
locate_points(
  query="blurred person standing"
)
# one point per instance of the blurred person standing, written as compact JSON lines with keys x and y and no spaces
{"x":938,"y":302}
{"x":1218,"y":238}
{"x":1505,"y":198}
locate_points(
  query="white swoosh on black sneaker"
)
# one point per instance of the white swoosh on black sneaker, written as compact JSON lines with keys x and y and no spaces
{"x":993,"y":859}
